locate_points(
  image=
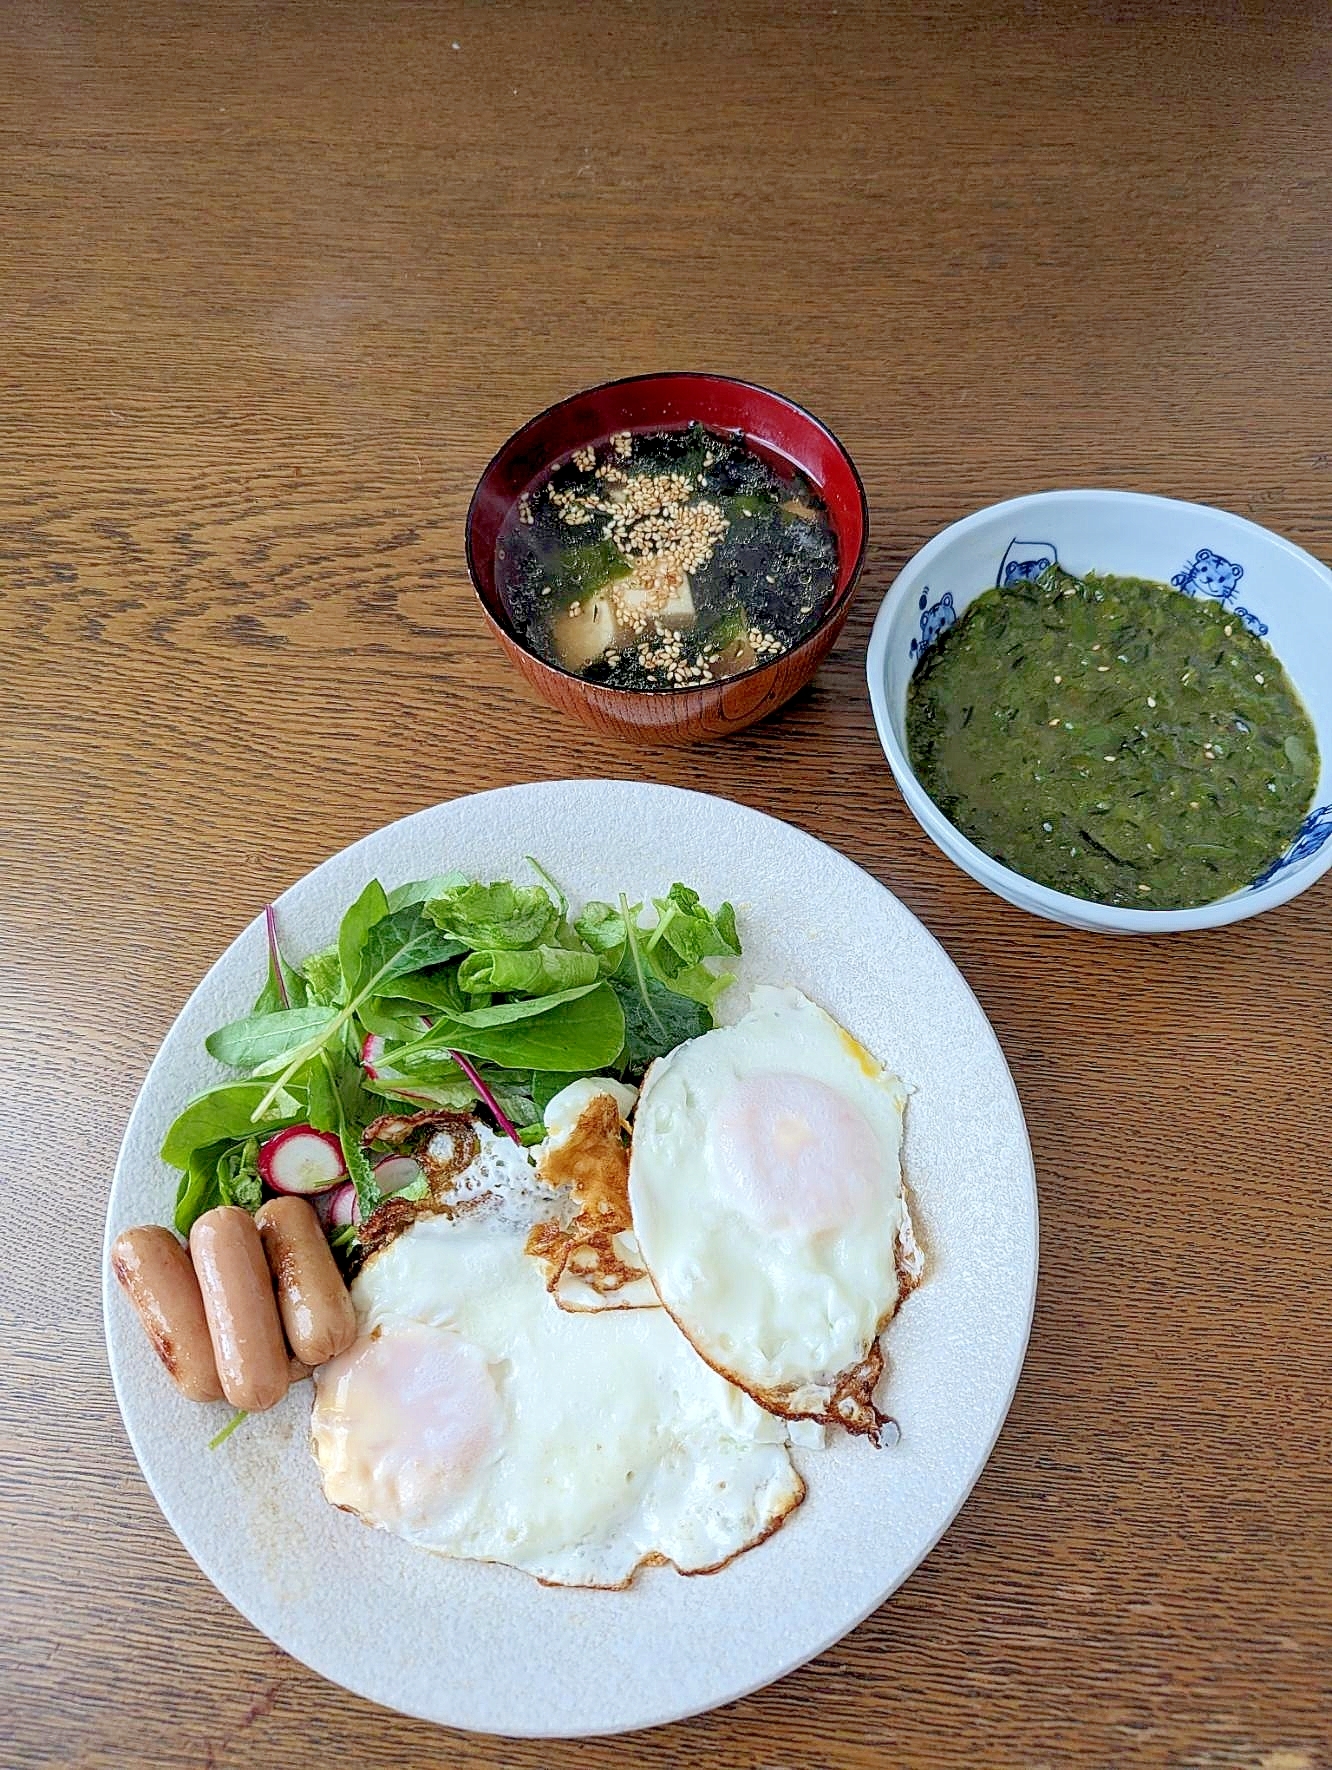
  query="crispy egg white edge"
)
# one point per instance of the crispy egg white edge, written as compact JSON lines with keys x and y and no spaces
{"x":810,"y":1403}
{"x":719,"y":1423}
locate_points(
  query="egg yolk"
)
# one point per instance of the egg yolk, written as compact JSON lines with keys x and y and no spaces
{"x":794,"y":1153}
{"x":421,"y":1410}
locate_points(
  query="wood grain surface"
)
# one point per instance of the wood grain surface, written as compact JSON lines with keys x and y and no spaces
{"x":276,"y":281}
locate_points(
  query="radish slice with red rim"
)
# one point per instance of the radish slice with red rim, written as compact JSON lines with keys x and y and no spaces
{"x":301,"y":1160}
{"x":393,"y":1172}
{"x":372,"y":1049}
{"x":341,"y":1207}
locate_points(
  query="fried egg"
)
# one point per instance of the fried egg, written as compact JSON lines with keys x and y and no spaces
{"x":588,"y":1246}
{"x":476,"y":1419}
{"x":766,"y":1191}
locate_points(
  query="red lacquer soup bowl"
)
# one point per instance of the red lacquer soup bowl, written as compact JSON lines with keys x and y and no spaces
{"x":778,"y":429}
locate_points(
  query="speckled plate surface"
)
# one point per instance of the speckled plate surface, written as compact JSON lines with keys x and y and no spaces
{"x":484,"y":1647}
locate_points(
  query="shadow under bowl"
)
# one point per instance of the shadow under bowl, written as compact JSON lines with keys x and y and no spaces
{"x":779,"y":430}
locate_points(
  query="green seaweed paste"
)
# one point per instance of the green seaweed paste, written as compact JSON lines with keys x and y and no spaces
{"x":1113,"y":739}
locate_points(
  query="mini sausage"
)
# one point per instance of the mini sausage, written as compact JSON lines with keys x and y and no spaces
{"x":159,"y":1280}
{"x":312,"y":1299}
{"x":242,"y":1312}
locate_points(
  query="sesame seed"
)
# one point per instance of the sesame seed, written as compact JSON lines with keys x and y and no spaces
{"x":1144,"y":888}
{"x":1228,"y":631}
{"x":1102,"y":668}
{"x":1259,"y":680}
{"x":1109,"y":758}
{"x":1059,"y":679}
{"x":1151,"y":700}
{"x":1054,"y":722}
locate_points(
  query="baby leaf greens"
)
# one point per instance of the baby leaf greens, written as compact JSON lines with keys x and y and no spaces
{"x":580,"y":1031}
{"x":507,"y":916}
{"x":539,"y":971}
{"x":250,"y":1043}
{"x":447,"y":992}
{"x":684,"y":936}
{"x":667,"y":992}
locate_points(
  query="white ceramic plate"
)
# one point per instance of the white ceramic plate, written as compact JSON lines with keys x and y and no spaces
{"x":485,"y":1647}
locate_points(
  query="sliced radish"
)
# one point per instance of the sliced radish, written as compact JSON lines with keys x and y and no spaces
{"x":372,"y":1049}
{"x":342,"y":1207}
{"x":393,"y":1172}
{"x":302,"y":1160}
{"x":372,"y":1052}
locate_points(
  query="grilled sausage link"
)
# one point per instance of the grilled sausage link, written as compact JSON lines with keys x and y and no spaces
{"x":312,"y":1299}
{"x":242,"y":1313}
{"x":159,"y":1281}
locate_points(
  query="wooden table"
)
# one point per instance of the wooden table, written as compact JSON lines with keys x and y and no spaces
{"x":276,"y":281}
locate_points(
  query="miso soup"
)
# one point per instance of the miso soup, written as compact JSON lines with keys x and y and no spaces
{"x":666,"y":559}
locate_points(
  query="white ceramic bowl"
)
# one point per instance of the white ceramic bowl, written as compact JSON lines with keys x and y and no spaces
{"x":1275,"y":588}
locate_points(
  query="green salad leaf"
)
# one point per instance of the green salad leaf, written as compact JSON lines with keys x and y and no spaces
{"x":495,"y":1014}
{"x":483,"y":917}
{"x":579,"y":1031}
{"x":562,"y":902}
{"x":238,"y":1176}
{"x":656,"y":1017}
{"x":227,"y":1111}
{"x":198,"y":1190}
{"x":686,"y":934}
{"x":546,"y":1084}
{"x":281,"y":977}
{"x":246,"y":1044}
{"x":533,"y":971}
{"x":689,"y":931}
{"x":405,"y":941}
{"x":601,"y":928}
{"x":389,"y":1018}
{"x":370,"y":907}
{"x":420,"y":991}
{"x":449,"y":1088}
{"x":224,"y":1173}
{"x":422,"y":890}
{"x":700,"y":984}
{"x":322,"y":974}
{"x":368,"y":1195}
{"x":438,"y":1081}
{"x":323,"y":1109}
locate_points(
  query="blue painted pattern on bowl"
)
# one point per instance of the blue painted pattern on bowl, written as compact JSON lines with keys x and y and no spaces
{"x":1199,"y":551}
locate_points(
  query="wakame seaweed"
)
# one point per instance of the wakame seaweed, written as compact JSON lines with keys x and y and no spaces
{"x":667,"y":559}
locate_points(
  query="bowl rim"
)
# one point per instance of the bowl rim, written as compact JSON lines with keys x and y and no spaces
{"x":835,"y":612}
{"x":1015,"y":887}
